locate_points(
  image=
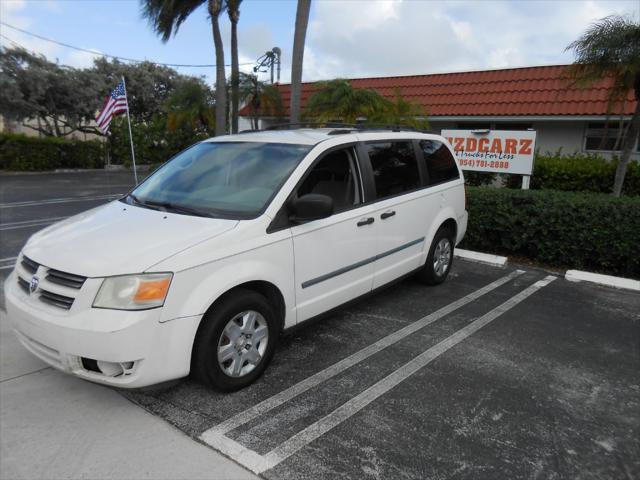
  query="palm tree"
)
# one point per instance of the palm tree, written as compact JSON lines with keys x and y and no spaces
{"x":610,"y":48}
{"x":190,"y":105}
{"x":400,"y":111}
{"x":337,"y":100}
{"x":233,"y":9}
{"x":166,"y":16}
{"x":302,"y":20}
{"x":263,"y":99}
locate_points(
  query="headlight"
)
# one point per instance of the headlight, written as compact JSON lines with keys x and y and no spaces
{"x":133,"y":292}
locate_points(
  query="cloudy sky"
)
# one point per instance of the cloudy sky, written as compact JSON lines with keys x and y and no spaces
{"x":346,"y":38}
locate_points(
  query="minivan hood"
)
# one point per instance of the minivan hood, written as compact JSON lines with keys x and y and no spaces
{"x":117,"y":238}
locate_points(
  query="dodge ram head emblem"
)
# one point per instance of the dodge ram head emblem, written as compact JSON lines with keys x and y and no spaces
{"x":33,"y":284}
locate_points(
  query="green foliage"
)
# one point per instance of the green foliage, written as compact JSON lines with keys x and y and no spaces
{"x":191,"y":105}
{"x":19,"y":152}
{"x":262,"y":98}
{"x":608,"y":48}
{"x":338,"y":100}
{"x":477,"y":179}
{"x":60,"y":100}
{"x":578,"y":173}
{"x":153,"y":141}
{"x":400,"y":111}
{"x":588,"y":231}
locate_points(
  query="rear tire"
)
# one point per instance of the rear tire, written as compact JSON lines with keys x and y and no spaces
{"x":439,"y":259}
{"x":235,"y":342}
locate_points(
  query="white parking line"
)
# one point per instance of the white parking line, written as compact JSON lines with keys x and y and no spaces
{"x":259,"y":463}
{"x":30,"y":223}
{"x":7,"y":263}
{"x":336,"y":368}
{"x":35,"y":203}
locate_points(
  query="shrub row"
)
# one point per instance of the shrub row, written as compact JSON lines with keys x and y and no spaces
{"x":22,"y":153}
{"x":579,"y":173}
{"x":588,"y":231}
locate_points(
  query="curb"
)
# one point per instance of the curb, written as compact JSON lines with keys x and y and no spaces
{"x":608,"y":280}
{"x":487,"y":258}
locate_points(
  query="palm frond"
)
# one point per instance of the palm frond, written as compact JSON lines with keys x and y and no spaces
{"x":166,"y":16}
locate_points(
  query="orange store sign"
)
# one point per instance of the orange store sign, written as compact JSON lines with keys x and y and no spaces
{"x":501,"y":151}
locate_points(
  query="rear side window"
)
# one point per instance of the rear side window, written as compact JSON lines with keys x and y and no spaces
{"x":395,"y":169}
{"x":441,"y":166}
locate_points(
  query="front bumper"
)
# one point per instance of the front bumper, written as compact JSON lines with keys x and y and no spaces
{"x":131,"y":348}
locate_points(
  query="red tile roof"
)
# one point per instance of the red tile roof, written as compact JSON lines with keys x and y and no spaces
{"x":509,"y":92}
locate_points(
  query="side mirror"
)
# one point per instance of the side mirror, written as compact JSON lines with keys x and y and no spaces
{"x":311,"y":206}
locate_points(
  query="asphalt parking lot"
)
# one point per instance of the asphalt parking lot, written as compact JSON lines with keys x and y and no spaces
{"x":498,"y":373}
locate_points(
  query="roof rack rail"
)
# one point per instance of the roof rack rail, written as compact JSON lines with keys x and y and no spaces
{"x":342,"y":128}
{"x":291,"y":126}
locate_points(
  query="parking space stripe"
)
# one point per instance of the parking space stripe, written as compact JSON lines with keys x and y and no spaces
{"x":259,"y":463}
{"x":30,"y":223}
{"x":34,"y":203}
{"x":336,"y":368}
{"x":7,"y":263}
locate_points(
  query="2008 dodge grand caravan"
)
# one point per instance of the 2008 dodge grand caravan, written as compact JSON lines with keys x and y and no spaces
{"x":199,"y":268}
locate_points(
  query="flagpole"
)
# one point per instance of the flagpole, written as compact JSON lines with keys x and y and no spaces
{"x":133,"y":155}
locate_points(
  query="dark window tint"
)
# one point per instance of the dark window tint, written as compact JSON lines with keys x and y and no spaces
{"x":335,"y":175}
{"x":395,"y":169}
{"x":441,"y":165}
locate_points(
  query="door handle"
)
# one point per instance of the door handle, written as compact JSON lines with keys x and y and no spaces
{"x":387,"y":214}
{"x":366,"y":221}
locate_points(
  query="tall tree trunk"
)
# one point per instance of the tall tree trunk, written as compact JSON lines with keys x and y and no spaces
{"x":302,"y":20}
{"x":221,"y":88}
{"x":629,"y":142}
{"x":235,"y":72}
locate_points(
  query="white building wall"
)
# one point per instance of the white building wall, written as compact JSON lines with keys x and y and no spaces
{"x":565,"y":136}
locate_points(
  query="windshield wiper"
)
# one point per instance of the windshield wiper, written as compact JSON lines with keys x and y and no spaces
{"x":168,"y":206}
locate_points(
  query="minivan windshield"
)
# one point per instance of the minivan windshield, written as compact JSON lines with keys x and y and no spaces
{"x":224,"y":179}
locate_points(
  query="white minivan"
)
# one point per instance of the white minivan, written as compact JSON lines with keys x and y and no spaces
{"x":202,"y":266}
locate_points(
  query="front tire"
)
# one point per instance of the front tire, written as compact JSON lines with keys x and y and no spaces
{"x":236,"y":341}
{"x":439,"y":260}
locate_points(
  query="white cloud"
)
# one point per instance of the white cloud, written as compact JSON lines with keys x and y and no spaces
{"x":395,"y":37}
{"x":11,"y":12}
{"x":80,"y":59}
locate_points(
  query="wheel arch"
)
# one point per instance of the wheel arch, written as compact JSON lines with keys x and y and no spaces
{"x":267,"y":289}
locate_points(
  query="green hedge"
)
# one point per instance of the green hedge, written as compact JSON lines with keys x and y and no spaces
{"x":579,"y":173}
{"x":22,"y":153}
{"x":587,"y":231}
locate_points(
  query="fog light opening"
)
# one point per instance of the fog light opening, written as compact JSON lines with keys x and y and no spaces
{"x":108,"y":369}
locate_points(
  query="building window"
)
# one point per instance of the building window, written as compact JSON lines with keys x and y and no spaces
{"x":601,"y":138}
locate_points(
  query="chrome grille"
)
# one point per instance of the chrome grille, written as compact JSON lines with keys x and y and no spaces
{"x":55,"y":288}
{"x":56,"y":299}
{"x":29,"y":265}
{"x":24,"y":285}
{"x":66,"y":279}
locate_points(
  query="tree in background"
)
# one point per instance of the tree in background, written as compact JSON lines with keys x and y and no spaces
{"x":610,"y":48}
{"x":191,"y":106}
{"x":166,"y":16}
{"x":302,"y":20}
{"x":337,"y":100}
{"x":263,"y":99}
{"x":148,"y":85}
{"x":233,"y":9}
{"x":400,"y":111}
{"x":51,"y":99}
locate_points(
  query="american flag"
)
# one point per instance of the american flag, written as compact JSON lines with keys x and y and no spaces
{"x":114,"y":104}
